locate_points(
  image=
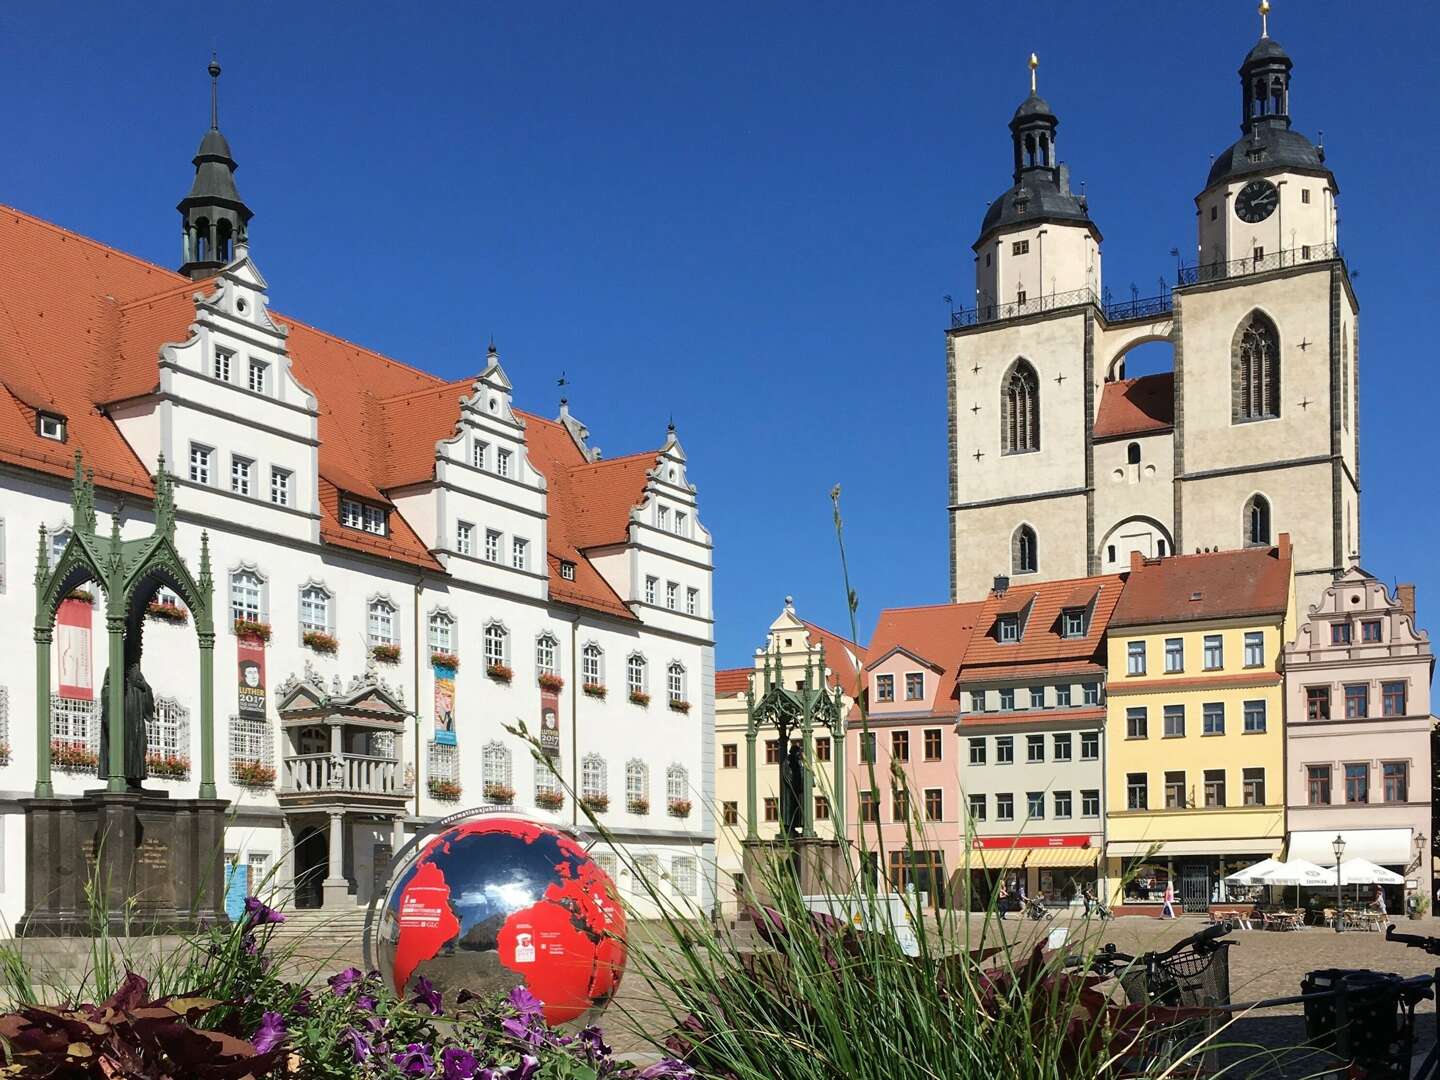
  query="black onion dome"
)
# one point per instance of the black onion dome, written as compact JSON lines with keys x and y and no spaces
{"x":1034,"y":199}
{"x":1268,"y":149}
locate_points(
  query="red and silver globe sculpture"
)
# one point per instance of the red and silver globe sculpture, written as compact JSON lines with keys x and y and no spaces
{"x":487,"y":903}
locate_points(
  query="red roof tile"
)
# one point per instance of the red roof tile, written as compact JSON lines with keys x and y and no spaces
{"x":82,"y":325}
{"x":1136,"y":406}
{"x":1210,"y":585}
{"x":842,"y":656}
{"x":937,"y":633}
{"x":732,"y":681}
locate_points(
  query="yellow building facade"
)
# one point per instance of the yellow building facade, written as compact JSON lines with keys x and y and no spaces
{"x":1195,"y":723}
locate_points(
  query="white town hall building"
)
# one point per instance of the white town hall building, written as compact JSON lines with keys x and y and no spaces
{"x":403,"y":567}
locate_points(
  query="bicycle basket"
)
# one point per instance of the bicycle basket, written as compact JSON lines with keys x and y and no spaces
{"x":1374,"y":1024}
{"x":1192,"y":977}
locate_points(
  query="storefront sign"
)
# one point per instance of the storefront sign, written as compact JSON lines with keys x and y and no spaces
{"x":550,"y":723}
{"x":444,"y":705}
{"x":251,"y":652}
{"x":1008,"y":842}
{"x":72,"y":649}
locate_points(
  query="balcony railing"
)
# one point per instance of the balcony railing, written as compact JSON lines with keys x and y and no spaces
{"x":1275,"y":260}
{"x":986,"y":313}
{"x":307,"y":774}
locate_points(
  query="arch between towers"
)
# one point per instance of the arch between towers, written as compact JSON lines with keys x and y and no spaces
{"x":1114,"y":343}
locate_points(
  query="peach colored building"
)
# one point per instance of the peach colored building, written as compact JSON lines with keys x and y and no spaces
{"x":911,"y":722}
{"x":1357,"y":689}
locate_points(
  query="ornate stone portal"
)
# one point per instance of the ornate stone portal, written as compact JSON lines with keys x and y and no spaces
{"x":157,"y":863}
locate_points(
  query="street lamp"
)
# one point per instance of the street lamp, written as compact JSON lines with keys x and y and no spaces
{"x":1338,"y":846}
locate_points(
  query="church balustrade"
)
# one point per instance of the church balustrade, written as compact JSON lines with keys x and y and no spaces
{"x":987,"y":313}
{"x":1274,"y":260}
{"x":360,"y":773}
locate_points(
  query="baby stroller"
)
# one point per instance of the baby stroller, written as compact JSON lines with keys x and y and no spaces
{"x":1093,"y":904}
{"x":1036,"y":910}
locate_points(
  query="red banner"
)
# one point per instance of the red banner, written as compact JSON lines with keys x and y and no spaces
{"x":550,"y":722}
{"x":72,"y":649}
{"x":1008,"y":842}
{"x":251,"y":652}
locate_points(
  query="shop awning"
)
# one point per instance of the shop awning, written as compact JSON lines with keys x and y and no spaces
{"x":1130,"y":849}
{"x":1012,"y":857}
{"x":1387,"y":847}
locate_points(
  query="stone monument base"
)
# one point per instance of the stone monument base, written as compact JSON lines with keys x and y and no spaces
{"x":818,"y":866}
{"x":157,"y":864}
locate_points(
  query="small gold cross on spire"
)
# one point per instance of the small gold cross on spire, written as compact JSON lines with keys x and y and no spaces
{"x":1264,"y":18}
{"x":1035,"y":63}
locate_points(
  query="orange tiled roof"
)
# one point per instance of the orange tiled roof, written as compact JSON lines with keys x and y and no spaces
{"x":1041,"y":650}
{"x":938,"y":633}
{"x":1136,"y":406}
{"x":732,"y":681}
{"x":841,"y":656}
{"x":1210,"y":585}
{"x":81,"y":325}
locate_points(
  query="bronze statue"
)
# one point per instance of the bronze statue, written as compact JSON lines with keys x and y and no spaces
{"x":139,"y":709}
{"x":792,"y":793}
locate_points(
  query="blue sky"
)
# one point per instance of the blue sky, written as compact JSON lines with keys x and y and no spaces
{"x":744,"y":215}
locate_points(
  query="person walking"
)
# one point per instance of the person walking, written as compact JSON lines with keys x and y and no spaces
{"x":1167,"y":907}
{"x":1002,"y":902}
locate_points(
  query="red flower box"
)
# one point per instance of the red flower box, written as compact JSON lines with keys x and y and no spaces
{"x":639,"y":697}
{"x":499,"y":672}
{"x":679,"y":706}
{"x":548,"y":681}
{"x":248,"y":628}
{"x":386,"y":654}
{"x":596,"y":803}
{"x":171,"y":613}
{"x":499,"y":793}
{"x":445,"y":790}
{"x":445,"y":659}
{"x":680,"y":808}
{"x":550,"y":800}
{"x":253,"y":774}
{"x":638,"y":806}
{"x":594,"y":689}
{"x":320,"y":641}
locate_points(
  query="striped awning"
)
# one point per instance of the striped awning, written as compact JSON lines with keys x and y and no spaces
{"x":1013,"y":857}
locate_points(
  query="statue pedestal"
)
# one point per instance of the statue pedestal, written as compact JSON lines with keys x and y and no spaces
{"x":818,"y":866}
{"x":158,"y":863}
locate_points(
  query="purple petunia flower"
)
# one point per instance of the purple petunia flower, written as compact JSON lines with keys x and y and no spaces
{"x":343,"y":982}
{"x":415,"y":1060}
{"x":668,"y":1069}
{"x":270,"y":1033}
{"x":259,"y":913}
{"x":523,"y":1030}
{"x":302,"y":1003}
{"x":247,"y":942}
{"x":594,"y":1043}
{"x":365,"y":1002}
{"x":359,"y":1045}
{"x":524,"y":1002}
{"x":528,"y":1067}
{"x":427,"y":995}
{"x":457,"y":1064}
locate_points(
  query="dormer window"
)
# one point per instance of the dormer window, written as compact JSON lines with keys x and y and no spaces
{"x":567,"y":569}
{"x":1007,"y":629}
{"x":355,"y":514}
{"x":1072,"y":623}
{"x":50,"y":426}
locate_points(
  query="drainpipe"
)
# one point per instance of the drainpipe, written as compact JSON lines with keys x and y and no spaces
{"x":415,"y":668}
{"x":574,"y":721}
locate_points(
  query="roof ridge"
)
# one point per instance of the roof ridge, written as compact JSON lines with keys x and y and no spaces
{"x":395,"y":399}
{"x":931,"y":607}
{"x":621,"y":460}
{"x":89,"y":240}
{"x":337,"y":339}
{"x":177,"y":289}
{"x":832,"y":633}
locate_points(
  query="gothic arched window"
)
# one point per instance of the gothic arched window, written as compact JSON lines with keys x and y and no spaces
{"x":1020,"y":410}
{"x":1024,"y":553}
{"x":1256,"y":370}
{"x":1257,"y":521}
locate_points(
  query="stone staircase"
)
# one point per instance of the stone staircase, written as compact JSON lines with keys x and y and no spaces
{"x":328,"y":938}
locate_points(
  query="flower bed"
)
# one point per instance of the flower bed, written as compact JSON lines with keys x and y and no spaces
{"x":444,"y":790}
{"x":320,"y":641}
{"x":168,"y":766}
{"x":548,"y":681}
{"x":676,"y":705}
{"x":386,"y":653}
{"x":593,"y":689}
{"x":253,"y":774}
{"x":248,"y":628}
{"x":680,"y":808}
{"x":499,"y":672}
{"x":596,"y":803}
{"x":445,"y":659}
{"x":550,"y":800}
{"x":639,"y":697}
{"x":73,"y":757}
{"x":499,"y":793}
{"x":171,"y":613}
{"x":638,"y":806}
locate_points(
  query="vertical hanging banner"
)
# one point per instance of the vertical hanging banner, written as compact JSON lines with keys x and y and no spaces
{"x":444,"y":704}
{"x":251,"y":652}
{"x":550,"y":722}
{"x":72,"y":648}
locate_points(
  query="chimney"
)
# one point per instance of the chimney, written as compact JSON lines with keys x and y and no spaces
{"x":1405,"y":595}
{"x":1284,"y":546}
{"x":1136,"y":560}
{"x":1002,"y":584}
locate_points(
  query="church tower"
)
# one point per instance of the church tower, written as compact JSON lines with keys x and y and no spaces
{"x":213,"y":216}
{"x":1266,"y":346}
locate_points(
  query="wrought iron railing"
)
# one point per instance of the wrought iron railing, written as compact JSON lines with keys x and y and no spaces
{"x":1275,"y":260}
{"x":1143,"y":307}
{"x":986,"y":313}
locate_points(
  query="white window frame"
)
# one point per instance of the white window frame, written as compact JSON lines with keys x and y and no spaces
{"x":672,"y":595}
{"x":547,"y":653}
{"x":325,"y":607}
{"x":492,"y":545}
{"x":259,"y":377}
{"x":502,"y":462}
{"x":168,"y":730}
{"x":692,"y":600}
{"x":637,"y":781}
{"x":280,"y":485}
{"x":241,"y":474}
{"x":50,"y":426}
{"x":202,"y":461}
{"x":651,"y":581}
{"x":75,"y":721}
{"x":495,"y":767}
{"x":683,"y":875}
{"x":464,"y":538}
{"x":592,"y":664}
{"x":221,"y":363}
{"x":380,"y":621}
{"x":253,"y":585}
{"x":479,"y":451}
{"x":519,"y":553}
{"x":637,"y":673}
{"x":497,"y":644}
{"x":594,"y":776}
{"x":440,"y":631}
{"x":682,"y":523}
{"x":677,"y":783}
{"x":675,"y":681}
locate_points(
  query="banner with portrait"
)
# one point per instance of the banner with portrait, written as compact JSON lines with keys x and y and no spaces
{"x":73,"y":633}
{"x":251,"y":676}
{"x":444,"y":704}
{"x":550,"y":723}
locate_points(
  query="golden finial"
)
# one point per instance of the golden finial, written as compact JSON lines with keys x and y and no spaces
{"x":1264,"y":18}
{"x":1034,"y":63}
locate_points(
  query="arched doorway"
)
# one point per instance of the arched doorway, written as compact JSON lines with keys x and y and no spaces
{"x":312,"y":865}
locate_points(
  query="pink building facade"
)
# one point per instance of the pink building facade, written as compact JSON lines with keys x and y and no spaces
{"x":911,"y":722}
{"x":1358,"y":737}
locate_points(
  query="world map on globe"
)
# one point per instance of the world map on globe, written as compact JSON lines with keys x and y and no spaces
{"x":493,"y":902}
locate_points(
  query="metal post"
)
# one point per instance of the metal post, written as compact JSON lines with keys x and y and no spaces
{"x":116,"y":702}
{"x":751,"y":833}
{"x":43,"y":787}
{"x":207,"y":714}
{"x":807,"y":751}
{"x":837,"y":751}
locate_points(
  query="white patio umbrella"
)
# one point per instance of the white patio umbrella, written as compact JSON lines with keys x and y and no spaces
{"x":1365,"y":872}
{"x":1298,"y":872}
{"x":1253,"y":875}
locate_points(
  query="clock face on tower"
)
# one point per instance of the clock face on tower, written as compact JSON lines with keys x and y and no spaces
{"x":1257,"y":201}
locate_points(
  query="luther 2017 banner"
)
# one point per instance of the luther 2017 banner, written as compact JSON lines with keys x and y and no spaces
{"x":444,"y":704}
{"x":252,"y":678}
{"x":72,"y":649}
{"x":550,"y":723}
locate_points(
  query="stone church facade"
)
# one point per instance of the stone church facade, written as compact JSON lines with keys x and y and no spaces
{"x":404,"y":567}
{"x":1060,"y":466}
